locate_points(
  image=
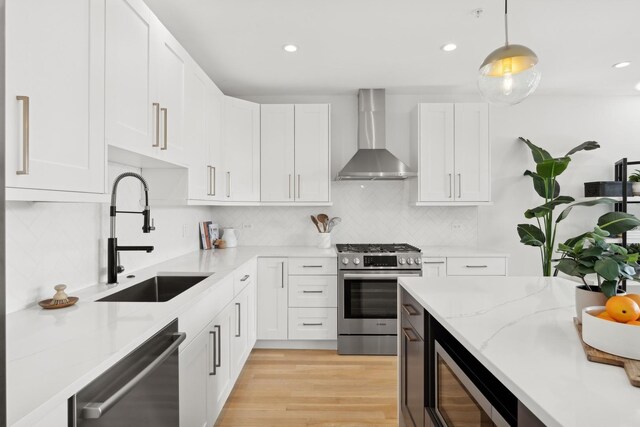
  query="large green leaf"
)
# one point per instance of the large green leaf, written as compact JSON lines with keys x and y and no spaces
{"x":540,"y":184}
{"x":539,"y":154}
{"x":586,"y":146}
{"x":590,"y":252}
{"x":618,"y":222}
{"x":541,"y":210}
{"x":607,"y":268}
{"x":569,"y":267}
{"x":565,"y":213}
{"x":572,"y":241}
{"x":609,"y":287}
{"x":551,"y":168}
{"x":531,"y":235}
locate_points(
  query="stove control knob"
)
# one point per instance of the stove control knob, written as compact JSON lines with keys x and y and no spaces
{"x":410,"y":261}
{"x":418,"y":261}
{"x":356,"y":261}
{"x":345,"y":260}
{"x":401,"y":261}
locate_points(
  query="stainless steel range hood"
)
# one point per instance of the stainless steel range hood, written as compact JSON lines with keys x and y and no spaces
{"x":373,"y":161}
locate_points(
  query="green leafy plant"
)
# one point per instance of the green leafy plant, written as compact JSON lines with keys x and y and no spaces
{"x":635,"y":176}
{"x":548,"y":168}
{"x":590,"y":253}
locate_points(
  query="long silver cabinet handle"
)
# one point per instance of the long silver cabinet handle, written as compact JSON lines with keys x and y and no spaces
{"x":228,"y":184}
{"x":312,"y":324}
{"x":311,"y":266}
{"x":433,"y":262}
{"x":209,"y":172}
{"x":213,"y":183}
{"x":289,"y":185}
{"x":312,"y":292}
{"x":25,"y":135}
{"x":156,"y":107}
{"x":239,"y":329}
{"x":459,"y":185}
{"x":94,"y":410}
{"x":214,"y":347}
{"x":298,"y":186}
{"x":282,"y":274}
{"x":450,"y":186}
{"x":476,"y":266}
{"x":218,"y":362}
{"x":165,"y":115}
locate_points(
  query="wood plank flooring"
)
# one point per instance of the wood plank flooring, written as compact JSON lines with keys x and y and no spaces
{"x":313,"y":388}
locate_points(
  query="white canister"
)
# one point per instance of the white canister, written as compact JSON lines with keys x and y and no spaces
{"x":230,"y":237}
{"x":324,"y":240}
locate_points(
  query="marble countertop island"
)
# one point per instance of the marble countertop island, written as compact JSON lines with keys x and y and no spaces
{"x":521,"y":329}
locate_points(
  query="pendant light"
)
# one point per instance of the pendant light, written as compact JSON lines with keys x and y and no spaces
{"x":510,"y":73}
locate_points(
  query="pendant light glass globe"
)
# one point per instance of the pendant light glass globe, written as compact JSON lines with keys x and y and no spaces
{"x":510,"y":73}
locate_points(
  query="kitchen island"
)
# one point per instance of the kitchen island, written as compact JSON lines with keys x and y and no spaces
{"x":521,"y":330}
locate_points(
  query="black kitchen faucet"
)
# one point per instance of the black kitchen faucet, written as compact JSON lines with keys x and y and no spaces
{"x":113,"y":257}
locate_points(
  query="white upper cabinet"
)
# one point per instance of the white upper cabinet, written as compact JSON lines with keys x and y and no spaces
{"x":277,"y":154}
{"x":295,"y":148}
{"x":55,"y":95}
{"x":312,"y":157}
{"x":132,"y":105}
{"x":241,"y":150}
{"x":454,"y":157}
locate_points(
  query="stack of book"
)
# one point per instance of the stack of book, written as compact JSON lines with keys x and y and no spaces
{"x":209,"y":233}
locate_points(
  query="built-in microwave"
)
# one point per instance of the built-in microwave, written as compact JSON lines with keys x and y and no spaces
{"x":458,"y":401}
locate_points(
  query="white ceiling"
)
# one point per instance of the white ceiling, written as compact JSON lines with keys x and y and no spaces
{"x":395,"y":44}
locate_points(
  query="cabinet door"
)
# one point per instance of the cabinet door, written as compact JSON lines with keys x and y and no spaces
{"x":277,"y":153}
{"x":411,"y":375}
{"x":312,"y":161}
{"x":220,"y":377}
{"x":55,"y":57}
{"x":436,"y":136}
{"x":213,"y":136}
{"x":195,"y":366}
{"x":472,"y":172}
{"x":252,"y":315}
{"x":241,"y":150}
{"x":132,"y":110}
{"x":240,"y":334}
{"x":170,"y":67}
{"x":272,"y":294}
{"x":196,"y":93}
{"x":434,"y":267}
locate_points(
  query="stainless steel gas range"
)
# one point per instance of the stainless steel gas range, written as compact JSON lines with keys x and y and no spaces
{"x":367,"y":294}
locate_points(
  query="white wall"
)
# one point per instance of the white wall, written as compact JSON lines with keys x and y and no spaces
{"x":51,"y":243}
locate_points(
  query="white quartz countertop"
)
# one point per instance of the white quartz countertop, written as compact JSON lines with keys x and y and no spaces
{"x":521,"y":329}
{"x":459,"y":251}
{"x":52,"y":354}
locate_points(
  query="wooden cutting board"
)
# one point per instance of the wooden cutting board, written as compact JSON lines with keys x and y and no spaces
{"x":631,"y":366}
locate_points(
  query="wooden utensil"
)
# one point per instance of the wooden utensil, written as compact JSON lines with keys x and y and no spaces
{"x":324,"y":220}
{"x":315,"y":222}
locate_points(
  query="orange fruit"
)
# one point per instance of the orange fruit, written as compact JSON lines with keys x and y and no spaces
{"x":634,"y":322}
{"x":634,"y":297}
{"x":622,"y":309}
{"x":604,"y":315}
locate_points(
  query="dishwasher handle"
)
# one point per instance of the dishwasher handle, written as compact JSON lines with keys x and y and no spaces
{"x":94,"y":410}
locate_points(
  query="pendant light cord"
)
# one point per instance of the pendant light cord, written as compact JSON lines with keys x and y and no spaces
{"x":506,"y":24}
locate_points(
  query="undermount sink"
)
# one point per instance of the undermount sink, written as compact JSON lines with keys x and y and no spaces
{"x":155,"y":289}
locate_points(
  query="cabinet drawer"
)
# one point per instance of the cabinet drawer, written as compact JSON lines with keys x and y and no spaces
{"x":413,"y":311}
{"x":244,"y":275}
{"x":313,"y":291}
{"x":476,"y":267}
{"x":313,"y":266}
{"x":313,"y":323}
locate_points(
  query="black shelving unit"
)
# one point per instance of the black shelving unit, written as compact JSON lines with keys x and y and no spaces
{"x":621,"y":170}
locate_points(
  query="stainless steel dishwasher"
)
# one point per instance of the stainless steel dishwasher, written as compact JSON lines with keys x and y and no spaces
{"x":141,"y":389}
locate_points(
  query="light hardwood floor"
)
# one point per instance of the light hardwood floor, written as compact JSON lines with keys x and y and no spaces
{"x":313,"y":388}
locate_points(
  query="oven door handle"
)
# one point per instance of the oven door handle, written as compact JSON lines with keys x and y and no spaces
{"x":93,"y":410}
{"x":380,"y":276}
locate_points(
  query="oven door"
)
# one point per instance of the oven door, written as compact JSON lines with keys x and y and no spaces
{"x":459,"y":403}
{"x":367,"y":302}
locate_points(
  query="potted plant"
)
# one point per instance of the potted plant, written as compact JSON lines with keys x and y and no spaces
{"x":548,"y":168}
{"x":593,"y":254}
{"x":635,"y":179}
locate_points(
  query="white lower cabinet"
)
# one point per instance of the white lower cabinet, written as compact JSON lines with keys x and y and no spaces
{"x":313,"y":323}
{"x":272,"y":294}
{"x":220,"y":373}
{"x":464,"y":266}
{"x":194,"y":363}
{"x":312,"y":291}
{"x":240,"y":335}
{"x":434,"y":267}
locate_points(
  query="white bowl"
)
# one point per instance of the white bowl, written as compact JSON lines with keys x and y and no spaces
{"x":611,"y":337}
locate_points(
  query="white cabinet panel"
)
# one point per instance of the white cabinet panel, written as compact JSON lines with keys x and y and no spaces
{"x":434,"y":267}
{"x":312,"y":159}
{"x":313,"y":323}
{"x":472,"y":152}
{"x":195,"y":365}
{"x":55,"y":64}
{"x":436,"y":152}
{"x":476,"y":267}
{"x":240,"y":335}
{"x":313,"y":291}
{"x":312,"y":266}
{"x":241,"y":150}
{"x":272,"y":298}
{"x":220,"y":379}
{"x":277,"y":153}
{"x":196,"y":93}
{"x":132,"y":119}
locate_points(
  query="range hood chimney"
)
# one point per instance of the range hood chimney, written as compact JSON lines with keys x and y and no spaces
{"x":373,"y":161}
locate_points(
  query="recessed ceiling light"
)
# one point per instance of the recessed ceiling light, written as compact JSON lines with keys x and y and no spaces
{"x":290,"y":48}
{"x":638,"y":86}
{"x":449,"y":47}
{"x":622,"y":64}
